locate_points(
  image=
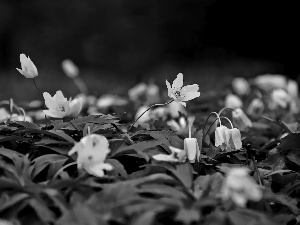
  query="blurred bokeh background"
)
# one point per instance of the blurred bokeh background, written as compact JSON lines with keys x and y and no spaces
{"x":118,"y":43}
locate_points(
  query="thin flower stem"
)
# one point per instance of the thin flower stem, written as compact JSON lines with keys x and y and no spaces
{"x":250,"y":155}
{"x":80,"y":85}
{"x":191,"y":121}
{"x":218,"y":117}
{"x":61,"y":169}
{"x":11,"y":107}
{"x":224,"y":109}
{"x":37,"y":88}
{"x":223,"y":117}
{"x":256,"y":170}
{"x":209,"y":128}
{"x":147,"y":111}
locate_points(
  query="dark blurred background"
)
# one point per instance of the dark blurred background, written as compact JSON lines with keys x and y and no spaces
{"x":117,"y":43}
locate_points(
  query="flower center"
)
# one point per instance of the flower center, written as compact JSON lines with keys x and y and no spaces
{"x":177,"y":93}
{"x":61,"y":107}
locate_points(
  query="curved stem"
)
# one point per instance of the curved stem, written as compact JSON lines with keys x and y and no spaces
{"x":209,"y":128}
{"x":224,"y":109}
{"x":22,"y":110}
{"x":223,"y":117}
{"x":147,"y":111}
{"x":61,"y":169}
{"x":214,"y":121}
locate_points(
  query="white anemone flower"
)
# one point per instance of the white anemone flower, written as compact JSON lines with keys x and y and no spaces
{"x":241,"y":86}
{"x":240,"y":187}
{"x":241,"y":120}
{"x":91,"y":154}
{"x":59,"y":107}
{"x":182,"y":94}
{"x":28,"y":69}
{"x":177,"y":155}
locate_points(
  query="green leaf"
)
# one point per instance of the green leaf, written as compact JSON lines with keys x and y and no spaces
{"x":13,"y":155}
{"x":7,"y":201}
{"x":42,"y":162}
{"x":291,"y":141}
{"x":44,"y":213}
{"x":294,"y":156}
{"x":118,"y":170}
{"x":279,"y":123}
{"x":27,"y":125}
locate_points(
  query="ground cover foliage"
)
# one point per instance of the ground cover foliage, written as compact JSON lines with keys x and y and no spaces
{"x":41,"y":184}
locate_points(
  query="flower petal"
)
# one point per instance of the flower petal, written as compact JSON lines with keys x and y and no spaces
{"x":236,"y":138}
{"x":183,"y":103}
{"x":169,"y":89}
{"x":190,"y":88}
{"x":178,"y":82}
{"x":49,"y":101}
{"x":191,"y":95}
{"x":24,"y":73}
{"x":59,"y":97}
{"x":75,"y":107}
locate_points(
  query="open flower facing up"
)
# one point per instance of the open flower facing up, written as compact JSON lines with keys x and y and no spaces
{"x":29,"y":70}
{"x":228,"y":139}
{"x":177,"y":155}
{"x":241,"y":86}
{"x":182,"y":94}
{"x":240,"y":120}
{"x":240,"y":187}
{"x":233,"y":101}
{"x":59,"y":106}
{"x":91,"y":154}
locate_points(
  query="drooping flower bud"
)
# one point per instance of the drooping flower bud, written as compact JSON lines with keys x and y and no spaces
{"x":256,"y":107}
{"x":28,"y":69}
{"x":240,"y":120}
{"x":228,"y":139}
{"x":70,"y":69}
{"x":233,"y":101}
{"x":192,"y":150}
